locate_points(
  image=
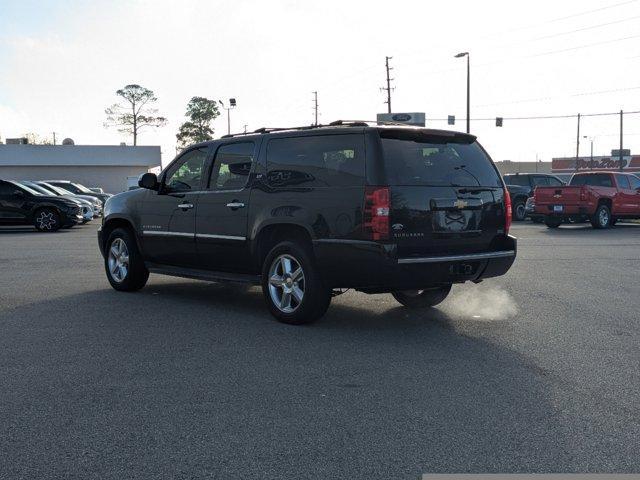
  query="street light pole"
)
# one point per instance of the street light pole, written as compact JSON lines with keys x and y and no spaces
{"x":460,"y":55}
{"x":232,"y":104}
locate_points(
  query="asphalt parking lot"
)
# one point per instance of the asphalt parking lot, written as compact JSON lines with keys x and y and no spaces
{"x":537,"y":371}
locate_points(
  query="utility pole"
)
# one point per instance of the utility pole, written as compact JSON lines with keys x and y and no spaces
{"x":54,"y":137}
{"x":315,"y":106}
{"x":578,"y":144}
{"x":621,"y":142}
{"x":245,"y":127}
{"x":460,"y":55}
{"x":389,"y":80}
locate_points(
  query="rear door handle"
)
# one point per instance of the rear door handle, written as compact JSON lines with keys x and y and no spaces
{"x":235,"y":205}
{"x":185,"y":206}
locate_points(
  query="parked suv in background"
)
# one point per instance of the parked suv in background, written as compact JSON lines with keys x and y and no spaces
{"x":20,"y":205}
{"x":79,"y":189}
{"x":304,"y":212}
{"x":521,"y":187}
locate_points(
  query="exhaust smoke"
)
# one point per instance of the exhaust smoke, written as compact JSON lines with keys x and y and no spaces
{"x":481,"y":302}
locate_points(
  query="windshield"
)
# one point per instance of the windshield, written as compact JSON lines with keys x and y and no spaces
{"x":36,"y":187}
{"x":82,"y":188}
{"x":437,"y":162}
{"x":27,"y":189}
{"x":57,"y":190}
{"x":593,"y":179}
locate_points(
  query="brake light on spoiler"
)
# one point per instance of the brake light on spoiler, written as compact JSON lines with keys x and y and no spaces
{"x":376,"y":213}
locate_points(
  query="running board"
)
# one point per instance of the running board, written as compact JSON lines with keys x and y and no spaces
{"x":198,"y":274}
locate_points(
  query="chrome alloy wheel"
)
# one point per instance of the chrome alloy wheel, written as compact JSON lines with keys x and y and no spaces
{"x":46,"y":221}
{"x":286,"y":283}
{"x":118,"y":260}
{"x":603,"y":217}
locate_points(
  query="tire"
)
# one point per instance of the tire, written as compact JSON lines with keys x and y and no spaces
{"x":552,"y":222}
{"x":519,"y":211}
{"x":124,"y":266}
{"x":47,"y":220}
{"x":422,"y":298}
{"x":280,"y":282}
{"x":602,"y":218}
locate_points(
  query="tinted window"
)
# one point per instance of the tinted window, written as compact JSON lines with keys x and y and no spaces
{"x":186,"y":173}
{"x":69,"y":187}
{"x":232,"y":166}
{"x":437,"y":161}
{"x":622,"y":181}
{"x":596,"y":180}
{"x":540,"y":181}
{"x":7,"y":188}
{"x":321,"y":161}
{"x":635,"y":182}
{"x":521,"y":180}
{"x":555,"y":182}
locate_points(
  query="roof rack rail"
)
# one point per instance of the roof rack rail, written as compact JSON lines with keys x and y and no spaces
{"x":336,"y":123}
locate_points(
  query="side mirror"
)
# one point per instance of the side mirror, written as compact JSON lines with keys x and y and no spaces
{"x":148,"y":181}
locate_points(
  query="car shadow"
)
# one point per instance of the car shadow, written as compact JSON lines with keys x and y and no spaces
{"x":188,"y":377}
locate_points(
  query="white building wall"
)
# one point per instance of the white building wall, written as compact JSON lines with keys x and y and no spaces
{"x":111,"y":179}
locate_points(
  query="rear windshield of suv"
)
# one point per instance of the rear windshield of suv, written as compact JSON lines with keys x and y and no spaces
{"x":419,"y":159}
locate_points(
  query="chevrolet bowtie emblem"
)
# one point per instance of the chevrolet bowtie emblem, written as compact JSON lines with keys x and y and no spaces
{"x":460,"y":204}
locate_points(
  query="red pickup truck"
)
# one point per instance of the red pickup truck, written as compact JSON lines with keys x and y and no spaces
{"x":599,"y":197}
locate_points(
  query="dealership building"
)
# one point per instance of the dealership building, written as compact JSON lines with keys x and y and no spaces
{"x":112,"y":168}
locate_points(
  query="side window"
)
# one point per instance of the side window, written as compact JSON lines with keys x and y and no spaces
{"x":554,"y":182}
{"x":521,"y":180}
{"x":622,"y":181}
{"x":186,"y":173}
{"x":319,"y":161}
{"x":540,"y":181}
{"x":635,"y":182}
{"x":232,"y":166}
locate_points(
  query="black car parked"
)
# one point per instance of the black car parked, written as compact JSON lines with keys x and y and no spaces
{"x":20,"y":205}
{"x":521,"y":186}
{"x":307,"y":211}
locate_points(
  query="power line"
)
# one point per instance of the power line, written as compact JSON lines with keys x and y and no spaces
{"x":552,"y":52}
{"x":608,"y":7}
{"x":582,"y":94}
{"x":544,"y":117}
{"x":585,"y":28}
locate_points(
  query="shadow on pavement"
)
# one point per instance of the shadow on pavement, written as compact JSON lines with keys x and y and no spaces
{"x":188,"y":379}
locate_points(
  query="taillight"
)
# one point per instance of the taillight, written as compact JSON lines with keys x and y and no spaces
{"x":376,"y":212}
{"x":507,"y":211}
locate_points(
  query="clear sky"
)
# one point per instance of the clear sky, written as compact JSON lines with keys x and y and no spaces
{"x":62,"y":61}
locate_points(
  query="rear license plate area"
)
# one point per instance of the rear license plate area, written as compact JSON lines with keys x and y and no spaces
{"x":558,"y":208}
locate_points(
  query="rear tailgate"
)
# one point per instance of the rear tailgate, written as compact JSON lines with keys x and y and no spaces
{"x":557,"y":200}
{"x":446,"y":195}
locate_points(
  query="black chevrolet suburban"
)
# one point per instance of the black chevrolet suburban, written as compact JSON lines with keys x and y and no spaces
{"x":307,"y":212}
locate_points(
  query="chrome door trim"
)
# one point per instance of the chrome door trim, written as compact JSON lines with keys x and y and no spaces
{"x":166,"y":234}
{"x":220,"y":237}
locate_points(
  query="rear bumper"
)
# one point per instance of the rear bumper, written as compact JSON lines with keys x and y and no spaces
{"x":567,"y":210}
{"x":375,"y":267}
